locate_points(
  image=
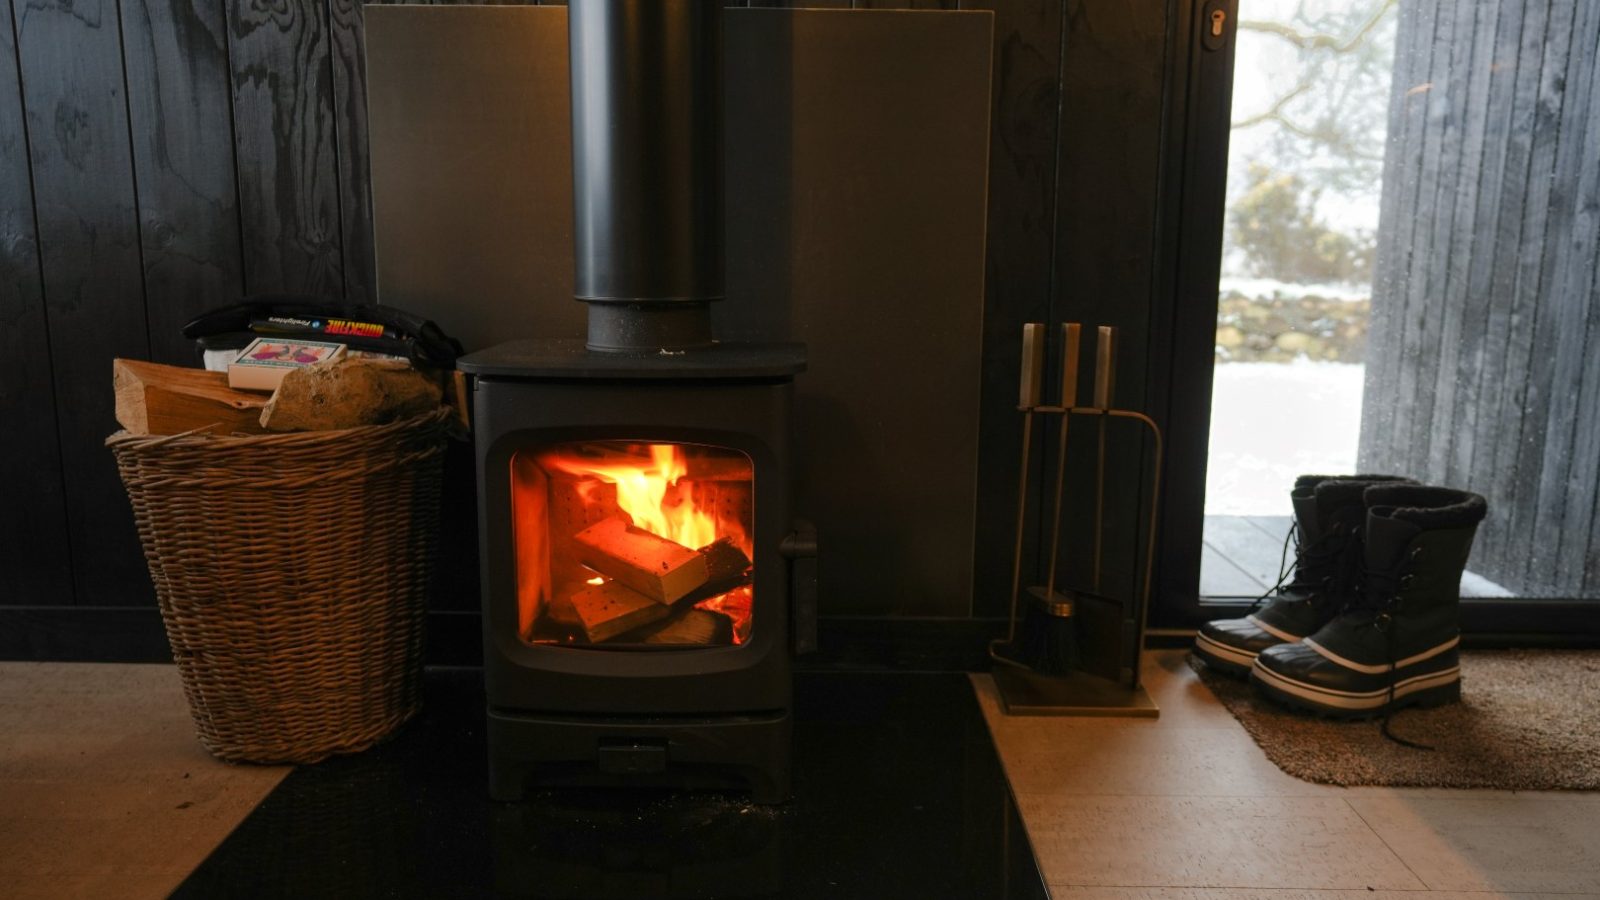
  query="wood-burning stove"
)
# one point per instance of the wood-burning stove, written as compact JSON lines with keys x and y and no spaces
{"x":639,"y":556}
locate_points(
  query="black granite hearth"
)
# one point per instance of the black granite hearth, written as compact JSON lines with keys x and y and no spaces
{"x":898,"y":793}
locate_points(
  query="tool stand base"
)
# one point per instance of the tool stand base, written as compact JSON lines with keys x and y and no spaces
{"x":1024,"y":693}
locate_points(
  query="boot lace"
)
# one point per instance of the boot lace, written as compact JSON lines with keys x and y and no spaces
{"x":1324,"y":553}
{"x":1378,"y":595}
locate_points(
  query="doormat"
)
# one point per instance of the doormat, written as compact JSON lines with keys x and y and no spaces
{"x":1527,"y":720}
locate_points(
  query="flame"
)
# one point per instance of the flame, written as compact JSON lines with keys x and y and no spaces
{"x":597,"y":580}
{"x":654,"y":496}
{"x":736,"y":605}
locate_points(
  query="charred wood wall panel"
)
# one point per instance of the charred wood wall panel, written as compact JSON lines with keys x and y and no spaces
{"x":283,"y":112}
{"x":1105,"y":263}
{"x":1023,"y":106}
{"x":180,"y":113}
{"x":75,"y":109}
{"x":33,"y":530}
{"x":1486,"y":330}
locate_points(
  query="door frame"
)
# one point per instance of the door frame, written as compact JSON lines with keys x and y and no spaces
{"x":1194,"y":177}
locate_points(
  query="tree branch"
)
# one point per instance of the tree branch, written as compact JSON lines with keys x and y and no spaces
{"x":1314,"y":41}
{"x":1274,"y":113}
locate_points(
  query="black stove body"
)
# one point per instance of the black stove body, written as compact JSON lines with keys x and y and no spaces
{"x":639,"y":554}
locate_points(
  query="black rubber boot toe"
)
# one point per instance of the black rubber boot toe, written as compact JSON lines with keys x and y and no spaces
{"x":1230,"y":645}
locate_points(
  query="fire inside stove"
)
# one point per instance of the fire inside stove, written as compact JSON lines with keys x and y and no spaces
{"x":633,"y":544}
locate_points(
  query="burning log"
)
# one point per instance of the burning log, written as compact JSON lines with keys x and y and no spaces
{"x":726,"y":565}
{"x":727,"y":568}
{"x":662,"y":570}
{"x":690,"y":626}
{"x":609,"y":609}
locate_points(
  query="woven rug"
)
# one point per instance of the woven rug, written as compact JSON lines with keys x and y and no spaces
{"x":1527,"y":720}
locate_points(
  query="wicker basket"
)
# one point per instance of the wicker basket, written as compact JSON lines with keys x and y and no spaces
{"x":291,"y":571}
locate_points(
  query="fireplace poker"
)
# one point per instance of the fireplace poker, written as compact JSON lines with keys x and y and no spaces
{"x":1105,"y":376}
{"x":1028,"y":401}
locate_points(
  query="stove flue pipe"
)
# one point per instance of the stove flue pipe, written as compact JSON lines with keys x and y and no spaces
{"x":647,"y":170}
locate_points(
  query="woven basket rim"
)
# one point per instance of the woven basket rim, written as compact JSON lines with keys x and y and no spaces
{"x":123,"y":440}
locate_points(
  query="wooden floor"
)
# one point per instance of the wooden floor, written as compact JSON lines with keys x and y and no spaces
{"x":1186,"y":807}
{"x":104,"y":790}
{"x":1240,"y":557}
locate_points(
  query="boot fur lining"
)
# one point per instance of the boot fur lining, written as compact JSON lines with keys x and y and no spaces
{"x":1347,"y":490}
{"x":1307,"y":483}
{"x":1426,"y":506}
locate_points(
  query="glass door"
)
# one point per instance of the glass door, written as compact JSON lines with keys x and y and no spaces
{"x":632,"y":544}
{"x":1408,"y":281}
{"x":1304,"y":189}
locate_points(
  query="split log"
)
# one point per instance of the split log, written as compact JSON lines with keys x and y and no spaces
{"x":459,"y":398}
{"x":349,"y":393}
{"x":726,"y":565}
{"x":727,"y":568}
{"x":663,"y":570}
{"x":157,"y":399}
{"x":689,"y":626}
{"x":607,"y":610}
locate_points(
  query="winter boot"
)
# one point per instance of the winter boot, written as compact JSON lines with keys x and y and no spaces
{"x":1394,"y":644}
{"x":1328,"y":514}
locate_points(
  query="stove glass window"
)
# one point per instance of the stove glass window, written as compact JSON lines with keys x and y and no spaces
{"x":622,"y":544}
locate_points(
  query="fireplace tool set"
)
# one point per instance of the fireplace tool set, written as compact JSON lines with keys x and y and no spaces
{"x":1075,"y":652}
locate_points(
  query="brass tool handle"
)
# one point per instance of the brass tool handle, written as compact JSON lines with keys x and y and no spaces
{"x":1070,"y":333}
{"x":1032,"y":364}
{"x":1105,"y":367}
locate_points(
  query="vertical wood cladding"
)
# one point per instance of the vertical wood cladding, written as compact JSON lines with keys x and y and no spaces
{"x":1024,"y":102}
{"x":180,"y":114}
{"x":283,"y":114}
{"x":75,"y":109}
{"x":1484,"y":371}
{"x":33,"y":530}
{"x":162,"y":157}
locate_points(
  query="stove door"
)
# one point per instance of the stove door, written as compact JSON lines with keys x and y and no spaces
{"x":633,"y":545}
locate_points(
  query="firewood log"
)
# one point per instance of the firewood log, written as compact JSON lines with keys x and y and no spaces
{"x":726,"y":568}
{"x":607,"y":610}
{"x":660,"y":569}
{"x":687,"y":626}
{"x":157,"y":399}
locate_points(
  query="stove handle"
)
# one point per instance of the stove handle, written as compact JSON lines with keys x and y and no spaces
{"x":800,"y":548}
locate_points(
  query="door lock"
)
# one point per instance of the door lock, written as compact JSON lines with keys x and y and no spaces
{"x":1214,"y":28}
